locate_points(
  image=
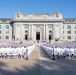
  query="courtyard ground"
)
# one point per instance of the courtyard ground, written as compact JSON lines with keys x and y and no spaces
{"x":38,"y":64}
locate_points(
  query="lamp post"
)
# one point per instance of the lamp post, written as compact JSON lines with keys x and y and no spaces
{"x":53,"y":55}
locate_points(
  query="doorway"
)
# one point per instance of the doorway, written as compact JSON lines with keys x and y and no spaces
{"x":37,"y":35}
{"x":49,"y":37}
{"x":26,"y":37}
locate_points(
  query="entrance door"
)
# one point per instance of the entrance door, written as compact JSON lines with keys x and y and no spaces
{"x":37,"y":35}
{"x":49,"y":36}
{"x":26,"y":36}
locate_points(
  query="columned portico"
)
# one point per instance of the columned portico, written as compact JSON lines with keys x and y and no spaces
{"x":36,"y":27}
{"x":45,"y":27}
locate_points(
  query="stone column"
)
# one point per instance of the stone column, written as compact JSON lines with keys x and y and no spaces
{"x":44,"y":31}
{"x":14,"y":32}
{"x":32,"y":32}
{"x":22,"y":33}
{"x":29,"y":32}
{"x":55,"y":32}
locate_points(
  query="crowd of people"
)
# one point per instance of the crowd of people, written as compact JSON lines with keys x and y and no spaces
{"x":60,"y":50}
{"x":15,"y":50}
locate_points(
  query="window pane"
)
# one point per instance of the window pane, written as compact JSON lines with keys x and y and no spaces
{"x":75,"y":26}
{"x":0,"y":32}
{"x":63,"y":26}
{"x":0,"y":37}
{"x":0,"y":26}
{"x":75,"y":32}
{"x":69,"y":37}
{"x":68,"y":27}
{"x":7,"y":31}
{"x":68,"y":32}
{"x":7,"y":37}
{"x":7,"y":26}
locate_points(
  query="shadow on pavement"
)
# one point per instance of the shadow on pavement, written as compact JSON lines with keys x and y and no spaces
{"x":41,"y":67}
{"x":33,"y":70}
{"x":57,"y":66}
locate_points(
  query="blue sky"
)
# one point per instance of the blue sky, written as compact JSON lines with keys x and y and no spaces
{"x":9,"y":7}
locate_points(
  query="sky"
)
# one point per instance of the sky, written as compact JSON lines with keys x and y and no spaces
{"x":9,"y":7}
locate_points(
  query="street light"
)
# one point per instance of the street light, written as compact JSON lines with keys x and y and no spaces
{"x":53,"y":55}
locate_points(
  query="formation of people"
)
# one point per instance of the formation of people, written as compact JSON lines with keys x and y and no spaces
{"x":16,"y":50}
{"x":63,"y":50}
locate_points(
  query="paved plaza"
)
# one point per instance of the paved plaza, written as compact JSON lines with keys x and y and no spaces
{"x":38,"y":64}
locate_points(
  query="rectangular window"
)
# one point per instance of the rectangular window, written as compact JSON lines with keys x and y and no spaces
{"x":7,"y":31}
{"x":68,"y":26}
{"x":68,"y":32}
{"x":7,"y":37}
{"x":7,"y":26}
{"x":0,"y":26}
{"x":75,"y":32}
{"x":63,"y":31}
{"x":63,"y":26}
{"x":69,"y":37}
{"x":0,"y":32}
{"x":75,"y":26}
{"x":75,"y":37}
{"x":0,"y":37}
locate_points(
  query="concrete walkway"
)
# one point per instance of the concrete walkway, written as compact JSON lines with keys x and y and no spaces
{"x":56,"y":67}
{"x":21,"y":66}
{"x":38,"y":64}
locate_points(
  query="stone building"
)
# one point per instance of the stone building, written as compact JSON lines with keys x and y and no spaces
{"x":42,"y":27}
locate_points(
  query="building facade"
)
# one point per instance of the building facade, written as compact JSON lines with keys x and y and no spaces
{"x":42,"y":27}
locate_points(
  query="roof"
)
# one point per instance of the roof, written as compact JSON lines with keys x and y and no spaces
{"x":5,"y":19}
{"x":69,"y":19}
